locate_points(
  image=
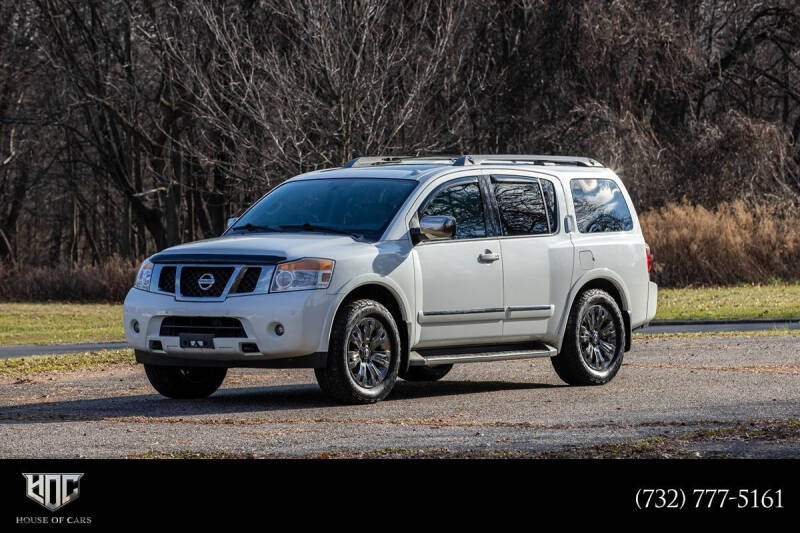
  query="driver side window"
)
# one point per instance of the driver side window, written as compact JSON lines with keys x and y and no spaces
{"x":463,"y":202}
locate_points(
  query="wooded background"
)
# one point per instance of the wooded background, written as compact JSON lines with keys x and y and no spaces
{"x":130,"y":125}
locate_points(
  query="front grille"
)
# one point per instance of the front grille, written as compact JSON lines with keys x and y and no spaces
{"x":166,"y":280}
{"x":249,"y":280}
{"x":191,"y":277}
{"x":173,"y":326}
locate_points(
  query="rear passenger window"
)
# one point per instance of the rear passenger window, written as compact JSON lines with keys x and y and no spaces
{"x":522,"y":208}
{"x":600,"y":206}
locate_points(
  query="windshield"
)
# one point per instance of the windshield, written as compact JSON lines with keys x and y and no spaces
{"x":361,"y":207}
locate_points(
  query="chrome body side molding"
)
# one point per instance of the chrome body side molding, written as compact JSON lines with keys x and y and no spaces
{"x":488,"y":313}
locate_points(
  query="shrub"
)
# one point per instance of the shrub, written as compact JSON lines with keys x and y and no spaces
{"x":730,"y":244}
{"x":106,"y":282}
{"x":692,"y":245}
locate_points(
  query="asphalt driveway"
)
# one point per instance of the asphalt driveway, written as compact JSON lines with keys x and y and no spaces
{"x":670,"y":390}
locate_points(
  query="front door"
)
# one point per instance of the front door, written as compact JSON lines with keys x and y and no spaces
{"x":461,"y":296}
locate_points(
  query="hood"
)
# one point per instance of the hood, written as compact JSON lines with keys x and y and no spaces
{"x":261,"y":249}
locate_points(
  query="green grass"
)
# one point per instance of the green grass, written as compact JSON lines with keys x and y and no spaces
{"x":39,"y":364}
{"x":49,"y":323}
{"x":46,"y":323}
{"x":776,"y":300}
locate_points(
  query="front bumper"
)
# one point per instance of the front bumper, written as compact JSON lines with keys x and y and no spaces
{"x":303,"y":315}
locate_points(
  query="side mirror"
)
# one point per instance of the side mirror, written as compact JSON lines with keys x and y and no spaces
{"x":231,"y":221}
{"x":435,"y":228}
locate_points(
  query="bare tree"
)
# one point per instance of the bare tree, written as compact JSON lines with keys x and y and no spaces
{"x":130,"y":125}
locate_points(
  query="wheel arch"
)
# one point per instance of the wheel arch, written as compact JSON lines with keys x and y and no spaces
{"x":390,"y":298}
{"x":609,"y":282}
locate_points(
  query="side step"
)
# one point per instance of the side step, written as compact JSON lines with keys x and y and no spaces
{"x":479,"y":354}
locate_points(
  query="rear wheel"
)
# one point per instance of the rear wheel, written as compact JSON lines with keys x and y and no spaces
{"x":185,"y":383}
{"x":426,"y":373}
{"x":363,"y":355}
{"x":594,"y":341}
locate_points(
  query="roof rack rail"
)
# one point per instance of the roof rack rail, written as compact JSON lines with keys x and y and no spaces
{"x":512,"y":159}
{"x":372,"y":161}
{"x":463,"y":160}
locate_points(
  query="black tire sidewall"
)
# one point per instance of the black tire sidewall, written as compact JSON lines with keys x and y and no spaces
{"x":602,"y":298}
{"x":170,"y":382}
{"x":369,"y":308}
{"x":426,"y":373}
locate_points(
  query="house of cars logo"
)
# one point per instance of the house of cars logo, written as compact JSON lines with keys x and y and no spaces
{"x":53,"y":491}
{"x":206,"y":281}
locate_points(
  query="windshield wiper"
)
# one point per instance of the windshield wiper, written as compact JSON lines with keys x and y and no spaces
{"x":255,"y":227}
{"x":324,"y":229}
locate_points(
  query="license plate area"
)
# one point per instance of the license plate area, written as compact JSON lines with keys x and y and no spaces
{"x":197,"y":340}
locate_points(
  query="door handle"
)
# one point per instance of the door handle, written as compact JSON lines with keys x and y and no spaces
{"x":488,"y":257}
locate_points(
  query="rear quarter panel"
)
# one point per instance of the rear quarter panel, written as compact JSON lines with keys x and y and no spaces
{"x":617,"y":256}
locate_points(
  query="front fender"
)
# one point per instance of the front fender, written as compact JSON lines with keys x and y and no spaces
{"x":366,"y":279}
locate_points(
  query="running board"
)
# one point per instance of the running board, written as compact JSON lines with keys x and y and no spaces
{"x":479,"y":354}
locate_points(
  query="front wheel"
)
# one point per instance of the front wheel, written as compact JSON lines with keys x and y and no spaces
{"x":594,"y":342}
{"x":363,"y":355}
{"x":185,"y":383}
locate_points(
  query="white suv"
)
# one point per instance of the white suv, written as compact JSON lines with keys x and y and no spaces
{"x":401,"y":266}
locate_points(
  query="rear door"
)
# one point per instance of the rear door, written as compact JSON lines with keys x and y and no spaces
{"x":461,"y":297}
{"x":537,"y":254}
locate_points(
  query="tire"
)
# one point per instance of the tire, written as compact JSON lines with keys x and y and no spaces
{"x":185,"y":383}
{"x":363,"y":354}
{"x":595,"y":322}
{"x":426,"y":373}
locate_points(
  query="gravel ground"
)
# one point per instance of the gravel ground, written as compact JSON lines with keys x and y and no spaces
{"x":674,"y":397}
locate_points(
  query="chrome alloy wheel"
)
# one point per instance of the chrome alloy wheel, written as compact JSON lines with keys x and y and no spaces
{"x":369,"y":352}
{"x":598,"y":338}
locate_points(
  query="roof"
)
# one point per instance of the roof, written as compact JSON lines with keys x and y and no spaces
{"x":470,"y":159}
{"x":419,"y":168}
{"x":413,"y":172}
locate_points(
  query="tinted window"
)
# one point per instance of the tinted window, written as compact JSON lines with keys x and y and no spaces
{"x":364,"y":206}
{"x":522,"y":208}
{"x":550,"y":202}
{"x":462,"y":201}
{"x":600,"y":207}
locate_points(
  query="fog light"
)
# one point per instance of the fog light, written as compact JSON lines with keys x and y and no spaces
{"x":279,"y":330}
{"x":135,"y":326}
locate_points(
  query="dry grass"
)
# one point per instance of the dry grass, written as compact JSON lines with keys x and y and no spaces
{"x":731,"y":244}
{"x":703,"y":334}
{"x":107,"y":282}
{"x":693,"y":246}
{"x":693,"y":444}
{"x":41,"y":364}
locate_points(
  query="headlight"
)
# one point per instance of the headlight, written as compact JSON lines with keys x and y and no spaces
{"x":144,"y":276}
{"x":302,"y":275}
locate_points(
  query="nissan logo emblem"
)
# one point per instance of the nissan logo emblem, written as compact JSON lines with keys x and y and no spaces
{"x":206,"y":281}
